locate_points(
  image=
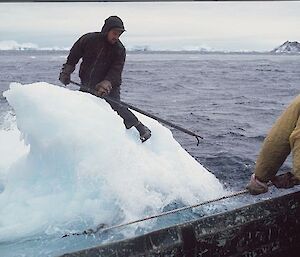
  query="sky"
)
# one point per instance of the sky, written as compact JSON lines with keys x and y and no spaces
{"x":214,"y":25}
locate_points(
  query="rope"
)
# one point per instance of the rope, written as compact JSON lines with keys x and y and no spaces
{"x":103,"y":228}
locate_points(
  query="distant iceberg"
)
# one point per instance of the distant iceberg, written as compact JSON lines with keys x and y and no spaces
{"x":191,"y":48}
{"x":288,"y":47}
{"x":200,"y":48}
{"x":7,"y":45}
{"x":13,"y":45}
{"x":139,"y":48}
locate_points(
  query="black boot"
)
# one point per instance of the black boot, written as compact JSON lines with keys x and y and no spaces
{"x":145,"y":133}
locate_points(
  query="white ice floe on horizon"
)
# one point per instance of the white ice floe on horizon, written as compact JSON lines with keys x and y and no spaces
{"x":198,"y":48}
{"x":7,"y":45}
{"x":201,"y":48}
{"x":13,"y":45}
{"x":78,"y":166}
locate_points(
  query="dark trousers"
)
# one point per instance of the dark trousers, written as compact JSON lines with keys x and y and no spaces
{"x":129,"y":119}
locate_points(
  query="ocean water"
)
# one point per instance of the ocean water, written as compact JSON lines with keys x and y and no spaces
{"x":230,"y":99}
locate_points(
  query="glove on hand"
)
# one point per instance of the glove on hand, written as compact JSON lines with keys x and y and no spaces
{"x":286,"y":180}
{"x":256,"y":187}
{"x":65,"y":74}
{"x":103,"y":88}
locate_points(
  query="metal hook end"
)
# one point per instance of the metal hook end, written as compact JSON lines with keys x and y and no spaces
{"x":198,"y":141}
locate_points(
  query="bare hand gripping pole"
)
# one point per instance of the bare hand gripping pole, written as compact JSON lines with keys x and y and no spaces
{"x":94,"y":92}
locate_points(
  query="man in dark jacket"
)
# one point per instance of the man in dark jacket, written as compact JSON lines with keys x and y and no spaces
{"x":103,"y":57}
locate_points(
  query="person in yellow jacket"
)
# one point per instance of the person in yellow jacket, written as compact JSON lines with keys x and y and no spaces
{"x":283,"y":138}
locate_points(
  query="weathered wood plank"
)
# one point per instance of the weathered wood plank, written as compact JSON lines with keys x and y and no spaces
{"x":269,"y":228}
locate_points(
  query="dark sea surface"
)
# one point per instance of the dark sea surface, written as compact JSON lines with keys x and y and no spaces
{"x":231,"y":100}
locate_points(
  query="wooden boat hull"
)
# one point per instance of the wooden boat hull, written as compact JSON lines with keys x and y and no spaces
{"x":269,"y":228}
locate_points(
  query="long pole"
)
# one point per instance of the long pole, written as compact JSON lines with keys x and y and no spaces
{"x":94,"y":92}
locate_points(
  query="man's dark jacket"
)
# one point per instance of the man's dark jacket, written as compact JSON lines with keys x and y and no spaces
{"x":100,"y":59}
